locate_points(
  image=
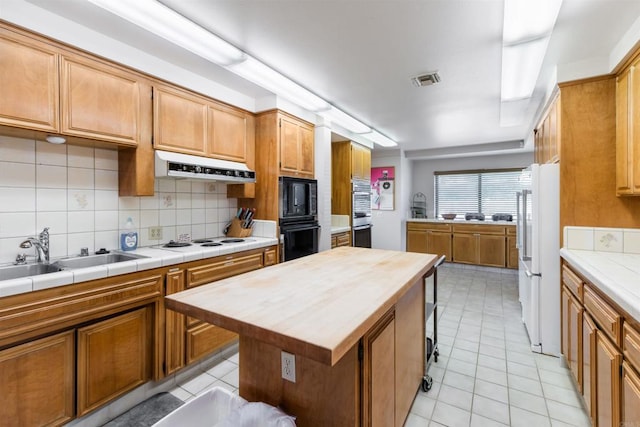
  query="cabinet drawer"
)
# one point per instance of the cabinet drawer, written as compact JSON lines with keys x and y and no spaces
{"x":479,"y":228}
{"x":607,"y":318}
{"x":227,"y":267}
{"x":511,"y":231}
{"x":573,"y":282}
{"x":421,"y":226}
{"x":631,"y":345}
{"x":343,"y":239}
{"x":270,"y":257}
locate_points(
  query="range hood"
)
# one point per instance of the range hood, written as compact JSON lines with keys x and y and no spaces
{"x":176,"y":165}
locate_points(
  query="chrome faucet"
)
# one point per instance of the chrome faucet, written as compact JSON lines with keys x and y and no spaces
{"x":41,"y":244}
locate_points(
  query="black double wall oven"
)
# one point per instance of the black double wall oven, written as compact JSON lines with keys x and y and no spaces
{"x":298,"y":212}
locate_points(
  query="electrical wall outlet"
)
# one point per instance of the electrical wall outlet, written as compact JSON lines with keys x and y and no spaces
{"x":155,"y":233}
{"x":289,"y":366}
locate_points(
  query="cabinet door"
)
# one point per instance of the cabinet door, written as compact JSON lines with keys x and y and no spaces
{"x":607,"y":387}
{"x":343,"y":239}
{"x":37,"y":382}
{"x":306,"y":150}
{"x":630,"y":396}
{"x":465,"y":248}
{"x":270,"y":257}
{"x":491,"y":250}
{"x":28,"y":83}
{"x":575,"y":340}
{"x":633,"y":149}
{"x":114,"y":356}
{"x":179,"y":121}
{"x":296,"y":148}
{"x":366,"y":165}
{"x":439,"y":243}
{"x":379,"y":374}
{"x":228,"y":134}
{"x":512,"y":252}
{"x":174,"y":325}
{"x":554,"y":134}
{"x":204,"y":339}
{"x":623,"y":184}
{"x":588,"y":367}
{"x":417,"y":241}
{"x":288,"y":145}
{"x":357,"y":162}
{"x":101,"y":102}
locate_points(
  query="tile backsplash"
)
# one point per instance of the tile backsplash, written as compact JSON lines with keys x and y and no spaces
{"x":621,"y":240}
{"x":74,"y":191}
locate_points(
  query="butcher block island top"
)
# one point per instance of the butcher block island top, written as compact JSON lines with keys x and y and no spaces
{"x":317,"y":307}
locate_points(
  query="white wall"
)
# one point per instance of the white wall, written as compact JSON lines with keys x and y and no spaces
{"x":387,"y":231}
{"x":322,"y":168}
{"x":422,"y":176}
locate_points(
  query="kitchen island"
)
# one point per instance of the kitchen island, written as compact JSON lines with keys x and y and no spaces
{"x":353,"y":318}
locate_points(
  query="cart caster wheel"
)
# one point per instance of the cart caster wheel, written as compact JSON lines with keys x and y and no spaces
{"x":427,"y":382}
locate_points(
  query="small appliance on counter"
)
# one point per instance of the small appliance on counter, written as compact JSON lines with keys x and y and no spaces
{"x":501,"y":217}
{"x":474,"y":216}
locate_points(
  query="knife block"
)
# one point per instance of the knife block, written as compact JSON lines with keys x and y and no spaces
{"x":236,"y":230}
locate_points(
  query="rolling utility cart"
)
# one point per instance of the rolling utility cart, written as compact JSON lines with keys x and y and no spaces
{"x":431,"y":311}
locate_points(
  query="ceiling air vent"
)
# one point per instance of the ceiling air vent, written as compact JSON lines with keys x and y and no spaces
{"x":426,"y":79}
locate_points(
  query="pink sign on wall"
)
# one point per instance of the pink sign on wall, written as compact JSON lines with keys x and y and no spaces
{"x":382,"y":188}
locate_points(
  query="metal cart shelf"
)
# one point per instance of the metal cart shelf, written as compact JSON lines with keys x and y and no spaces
{"x":431,"y":310}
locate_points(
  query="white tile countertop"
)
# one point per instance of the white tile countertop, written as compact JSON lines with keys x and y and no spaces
{"x":156,"y":256}
{"x":610,"y":259}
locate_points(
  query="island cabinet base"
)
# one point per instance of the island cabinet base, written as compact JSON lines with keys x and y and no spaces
{"x":373,"y":384}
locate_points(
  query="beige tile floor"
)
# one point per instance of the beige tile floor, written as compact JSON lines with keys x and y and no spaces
{"x":486,"y":374}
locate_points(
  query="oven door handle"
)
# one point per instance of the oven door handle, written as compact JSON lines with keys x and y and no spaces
{"x":362,"y":227}
{"x":289,"y":228}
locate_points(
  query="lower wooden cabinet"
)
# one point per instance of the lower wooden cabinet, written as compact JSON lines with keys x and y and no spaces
{"x":630,"y":403}
{"x":588,"y":369}
{"x":114,"y":356}
{"x":572,"y":334}
{"x":480,"y":244}
{"x":431,"y":238}
{"x":512,"y":252}
{"x":37,"y":381}
{"x":341,"y":239}
{"x":607,"y":381}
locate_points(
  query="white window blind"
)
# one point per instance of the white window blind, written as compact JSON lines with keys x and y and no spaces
{"x":487,"y":192}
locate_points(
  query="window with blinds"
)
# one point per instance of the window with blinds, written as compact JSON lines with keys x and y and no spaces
{"x":487,"y":192}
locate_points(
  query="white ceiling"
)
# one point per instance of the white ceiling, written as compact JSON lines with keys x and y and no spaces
{"x":360,"y":55}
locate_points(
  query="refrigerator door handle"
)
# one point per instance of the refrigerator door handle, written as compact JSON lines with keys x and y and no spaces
{"x":526,"y":256}
{"x":530,"y":274}
{"x":518,"y":219}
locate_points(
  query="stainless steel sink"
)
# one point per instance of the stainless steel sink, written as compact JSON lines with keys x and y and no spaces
{"x":94,"y":260}
{"x":17,"y":271}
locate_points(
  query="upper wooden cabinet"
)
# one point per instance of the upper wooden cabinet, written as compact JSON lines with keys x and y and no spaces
{"x":28,"y":83}
{"x":179,"y":121}
{"x":296,"y":147}
{"x":50,"y":88}
{"x":628,"y":131}
{"x":547,"y":135}
{"x":188,"y":123}
{"x":101,"y":102}
{"x":360,"y":162}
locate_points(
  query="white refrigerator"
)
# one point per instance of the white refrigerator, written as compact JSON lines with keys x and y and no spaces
{"x":538,"y":236}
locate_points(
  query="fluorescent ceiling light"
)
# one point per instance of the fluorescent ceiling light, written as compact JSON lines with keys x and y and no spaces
{"x":346,"y":121}
{"x":380,"y":139}
{"x":171,"y":26}
{"x":521,"y":65}
{"x":528,"y":19}
{"x":260,"y":74}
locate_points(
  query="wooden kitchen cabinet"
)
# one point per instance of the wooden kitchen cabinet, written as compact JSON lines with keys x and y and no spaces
{"x":114,"y":356}
{"x":227,"y":138}
{"x":341,"y":239}
{"x":608,"y":360}
{"x":37,"y":381}
{"x":429,"y":237}
{"x":588,"y":369}
{"x":360,"y":162}
{"x":479,"y":244}
{"x":28,"y":82}
{"x":547,"y":135}
{"x":296,"y":148}
{"x":180,"y":121}
{"x":512,"y":250}
{"x":174,"y":324}
{"x":102,"y":102}
{"x":630,"y":397}
{"x":572,"y":334}
{"x":628,"y":131}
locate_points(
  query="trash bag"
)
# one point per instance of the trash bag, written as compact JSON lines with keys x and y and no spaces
{"x":257,"y":414}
